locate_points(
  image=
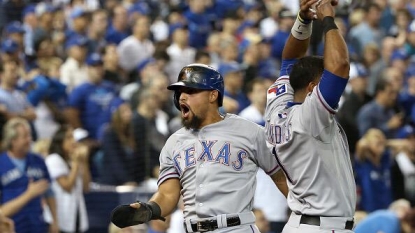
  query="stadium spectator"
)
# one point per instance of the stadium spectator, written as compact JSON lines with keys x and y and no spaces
{"x":257,"y":92}
{"x":24,"y":181}
{"x":68,"y":167}
{"x":88,"y":103}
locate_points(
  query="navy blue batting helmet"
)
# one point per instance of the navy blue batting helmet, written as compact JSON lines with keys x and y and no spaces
{"x":198,"y":76}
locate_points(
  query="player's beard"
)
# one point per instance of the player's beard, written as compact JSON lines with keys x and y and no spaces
{"x":193,"y":122}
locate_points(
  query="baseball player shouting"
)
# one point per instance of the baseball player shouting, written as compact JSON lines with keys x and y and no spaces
{"x":310,"y":146}
{"x":212,"y":162}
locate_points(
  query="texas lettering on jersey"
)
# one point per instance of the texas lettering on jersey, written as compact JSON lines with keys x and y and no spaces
{"x":211,"y":152}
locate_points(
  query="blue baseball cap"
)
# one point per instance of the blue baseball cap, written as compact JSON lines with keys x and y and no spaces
{"x":399,"y":54}
{"x":76,"y":41}
{"x":140,"y":7}
{"x":94,"y":59}
{"x":15,"y":27}
{"x":145,"y":63}
{"x":226,"y":68}
{"x":78,"y":12}
{"x":9,"y":46}
{"x":30,"y":9}
{"x":43,"y":8}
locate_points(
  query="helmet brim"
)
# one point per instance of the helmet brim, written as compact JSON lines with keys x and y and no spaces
{"x":180,"y":84}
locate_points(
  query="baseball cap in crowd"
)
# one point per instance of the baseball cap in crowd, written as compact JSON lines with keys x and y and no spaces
{"x":231,"y":67}
{"x":175,"y":26}
{"x":140,"y":7}
{"x":9,"y":46}
{"x":76,"y":41}
{"x":78,"y":12}
{"x":94,"y":59}
{"x":399,"y":54}
{"x":30,"y":9}
{"x":14,"y":27}
{"x":405,"y":132}
{"x":145,"y":63}
{"x":43,"y":8}
{"x":286,"y":13}
{"x":357,"y":70}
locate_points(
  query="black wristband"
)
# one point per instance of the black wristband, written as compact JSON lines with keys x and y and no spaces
{"x":328,"y":24}
{"x":155,"y":210}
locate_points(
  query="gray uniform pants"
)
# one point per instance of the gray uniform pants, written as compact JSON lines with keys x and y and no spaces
{"x":327,"y":225}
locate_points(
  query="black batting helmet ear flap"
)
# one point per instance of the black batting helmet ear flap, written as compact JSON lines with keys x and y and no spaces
{"x":176,"y":99}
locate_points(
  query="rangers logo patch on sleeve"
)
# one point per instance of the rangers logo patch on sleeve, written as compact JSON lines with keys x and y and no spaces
{"x":277,"y":90}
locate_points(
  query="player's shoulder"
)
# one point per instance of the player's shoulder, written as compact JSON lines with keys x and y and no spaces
{"x":241,"y":122}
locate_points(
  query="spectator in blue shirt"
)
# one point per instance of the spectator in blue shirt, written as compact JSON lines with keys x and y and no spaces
{"x":233,"y":79}
{"x":372,"y":166}
{"x":118,"y":28}
{"x":286,"y":21}
{"x":89,"y":102}
{"x":198,"y":22}
{"x":387,"y":221}
{"x":24,"y":180}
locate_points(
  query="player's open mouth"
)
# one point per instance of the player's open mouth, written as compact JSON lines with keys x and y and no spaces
{"x":185,"y":110}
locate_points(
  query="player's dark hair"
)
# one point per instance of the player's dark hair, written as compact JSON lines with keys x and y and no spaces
{"x":306,"y":70}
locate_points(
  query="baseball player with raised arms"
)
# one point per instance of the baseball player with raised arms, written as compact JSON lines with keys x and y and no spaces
{"x":310,"y":146}
{"x":212,"y":162}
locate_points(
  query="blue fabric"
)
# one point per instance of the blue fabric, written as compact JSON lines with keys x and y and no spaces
{"x":379,"y":221}
{"x":14,"y":183}
{"x":241,"y":98}
{"x":93,"y":102}
{"x":286,"y":66}
{"x":331,"y":88}
{"x":115,"y":37}
{"x":41,"y":88}
{"x":277,"y":44}
{"x":199,"y":29}
{"x":375,"y":184}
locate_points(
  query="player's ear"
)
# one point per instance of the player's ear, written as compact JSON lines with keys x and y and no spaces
{"x":311,"y":86}
{"x":213,"y":96}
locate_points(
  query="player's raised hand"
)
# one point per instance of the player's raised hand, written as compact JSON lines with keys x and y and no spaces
{"x":306,"y":9}
{"x":325,"y":8}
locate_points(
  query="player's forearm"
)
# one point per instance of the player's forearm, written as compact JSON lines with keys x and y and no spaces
{"x":281,"y":182}
{"x":295,"y":48}
{"x":13,"y":206}
{"x":167,"y":196}
{"x":336,"y":55}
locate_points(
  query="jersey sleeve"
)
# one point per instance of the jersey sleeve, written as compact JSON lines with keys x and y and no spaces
{"x":56,"y":166}
{"x":317,"y":112}
{"x":167,"y":166}
{"x":279,"y":93}
{"x":264,"y":157}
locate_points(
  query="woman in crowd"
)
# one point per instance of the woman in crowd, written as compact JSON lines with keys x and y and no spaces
{"x":68,"y":166}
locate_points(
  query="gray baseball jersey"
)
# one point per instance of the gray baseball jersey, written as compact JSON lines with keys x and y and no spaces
{"x":312,"y":150}
{"x":217,"y":166}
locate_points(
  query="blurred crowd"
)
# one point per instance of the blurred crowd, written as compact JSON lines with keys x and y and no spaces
{"x":83,"y":85}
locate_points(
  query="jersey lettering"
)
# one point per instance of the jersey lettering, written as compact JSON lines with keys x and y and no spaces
{"x":207,"y":150}
{"x":238,"y":164}
{"x":176,"y":158}
{"x":278,"y":134}
{"x":11,"y":176}
{"x":223,"y":155}
{"x":187,"y":157}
